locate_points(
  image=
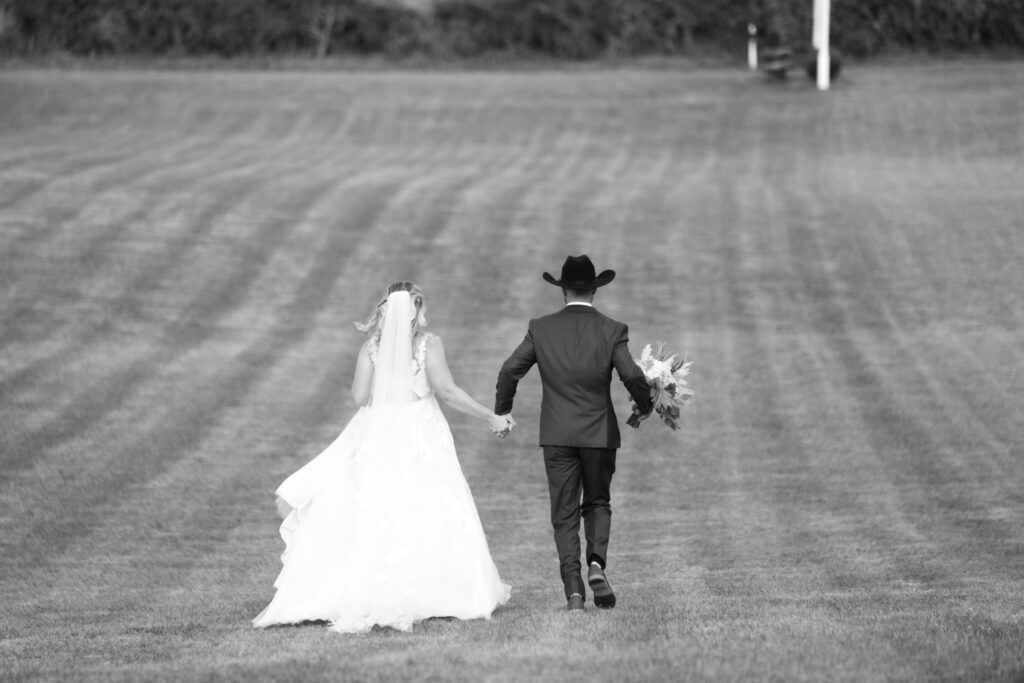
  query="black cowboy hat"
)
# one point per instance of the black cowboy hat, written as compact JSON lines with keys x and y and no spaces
{"x":578,"y":273}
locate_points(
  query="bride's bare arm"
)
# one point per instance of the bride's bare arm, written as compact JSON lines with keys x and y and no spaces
{"x":444,"y":386}
{"x":362,"y":380}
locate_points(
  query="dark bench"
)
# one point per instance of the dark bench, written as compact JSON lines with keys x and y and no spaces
{"x":775,"y":61}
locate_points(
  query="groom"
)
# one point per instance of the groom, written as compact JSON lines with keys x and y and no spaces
{"x":575,"y":350}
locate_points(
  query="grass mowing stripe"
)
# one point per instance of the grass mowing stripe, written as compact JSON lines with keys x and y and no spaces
{"x":190,"y":144}
{"x":149,"y":277}
{"x":806,"y":530}
{"x":892,"y":428}
{"x":94,"y":332}
{"x":909,"y":556}
{"x":52,"y":145}
{"x":963,"y":425}
{"x":134,"y":162}
{"x":203,"y":305}
{"x":762,"y":527}
{"x":107,"y":394}
{"x":912,"y":236}
{"x":889,"y":287}
{"x":201,"y":411}
{"x":185,"y":160}
{"x":838,"y":485}
{"x":90,"y":260}
{"x":48,"y":221}
{"x":595,"y":186}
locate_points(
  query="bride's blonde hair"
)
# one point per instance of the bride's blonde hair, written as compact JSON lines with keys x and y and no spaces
{"x":372,"y":324}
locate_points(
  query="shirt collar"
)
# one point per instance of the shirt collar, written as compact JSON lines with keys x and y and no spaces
{"x":580,"y":303}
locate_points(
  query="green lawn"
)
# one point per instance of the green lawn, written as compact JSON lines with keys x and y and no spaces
{"x":183,"y":254}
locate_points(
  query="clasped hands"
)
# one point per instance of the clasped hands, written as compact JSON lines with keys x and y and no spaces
{"x":501,"y":425}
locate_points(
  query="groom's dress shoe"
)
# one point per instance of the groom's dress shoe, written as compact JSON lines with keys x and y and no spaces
{"x":575,"y":602}
{"x":603,"y":595}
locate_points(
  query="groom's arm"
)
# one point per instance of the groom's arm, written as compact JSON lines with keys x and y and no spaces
{"x":512,"y":370}
{"x":630,"y":373}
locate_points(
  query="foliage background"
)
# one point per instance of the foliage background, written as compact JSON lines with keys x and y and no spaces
{"x":571,"y":29}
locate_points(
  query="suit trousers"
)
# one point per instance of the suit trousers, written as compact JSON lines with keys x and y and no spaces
{"x":572,"y":471}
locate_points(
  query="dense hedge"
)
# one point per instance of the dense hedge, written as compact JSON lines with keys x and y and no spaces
{"x":562,"y":28}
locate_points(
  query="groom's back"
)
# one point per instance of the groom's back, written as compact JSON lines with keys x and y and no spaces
{"x":574,"y":349}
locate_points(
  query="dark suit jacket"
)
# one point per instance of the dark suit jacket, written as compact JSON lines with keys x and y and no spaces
{"x":575,"y":350}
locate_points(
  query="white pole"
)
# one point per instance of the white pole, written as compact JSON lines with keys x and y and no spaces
{"x":822,"y":10}
{"x":816,"y":25}
{"x":815,"y":19}
{"x":752,"y":46}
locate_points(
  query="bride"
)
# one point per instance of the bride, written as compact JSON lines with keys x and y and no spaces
{"x":381,"y":528}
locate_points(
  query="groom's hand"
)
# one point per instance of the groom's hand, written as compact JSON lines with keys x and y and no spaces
{"x":508,"y":423}
{"x":636,"y":418}
{"x":509,"y":426}
{"x":501,"y":425}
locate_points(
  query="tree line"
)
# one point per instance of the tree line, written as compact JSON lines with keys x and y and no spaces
{"x":576,"y":29}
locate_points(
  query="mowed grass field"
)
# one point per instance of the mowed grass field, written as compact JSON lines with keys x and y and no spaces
{"x":183,"y":255}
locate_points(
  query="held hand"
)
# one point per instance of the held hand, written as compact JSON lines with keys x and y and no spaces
{"x":499,"y":424}
{"x":510,"y":424}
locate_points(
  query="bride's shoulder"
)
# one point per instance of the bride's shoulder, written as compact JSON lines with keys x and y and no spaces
{"x":431,"y":343}
{"x":369,"y":348}
{"x":425,"y":347}
{"x":429,"y":340}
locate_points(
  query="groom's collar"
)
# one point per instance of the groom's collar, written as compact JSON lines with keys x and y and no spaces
{"x":579,"y":303}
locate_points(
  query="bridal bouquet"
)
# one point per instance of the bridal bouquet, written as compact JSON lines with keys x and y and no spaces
{"x":669,"y":390}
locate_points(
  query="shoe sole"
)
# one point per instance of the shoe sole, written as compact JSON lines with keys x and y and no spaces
{"x":603,"y":595}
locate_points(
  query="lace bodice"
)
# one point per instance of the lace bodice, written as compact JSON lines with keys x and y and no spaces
{"x":420,"y":384}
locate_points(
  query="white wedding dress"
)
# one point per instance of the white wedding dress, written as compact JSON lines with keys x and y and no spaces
{"x":381,"y":528}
